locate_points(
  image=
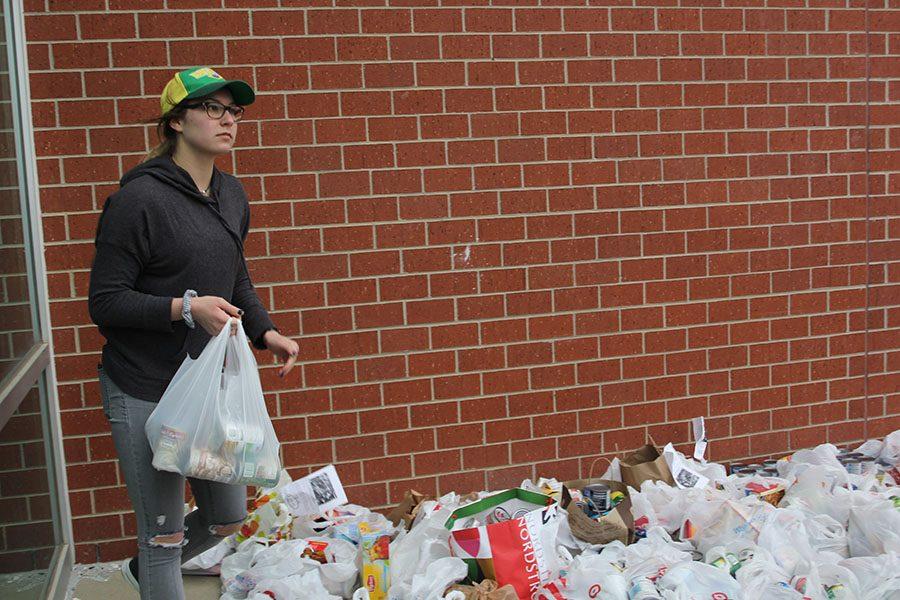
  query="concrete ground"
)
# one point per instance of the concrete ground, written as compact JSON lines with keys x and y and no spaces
{"x":196,"y":587}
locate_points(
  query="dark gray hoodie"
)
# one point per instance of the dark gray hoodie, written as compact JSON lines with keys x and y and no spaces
{"x":157,"y":237}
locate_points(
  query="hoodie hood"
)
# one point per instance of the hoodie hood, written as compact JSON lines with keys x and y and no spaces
{"x":164,"y":169}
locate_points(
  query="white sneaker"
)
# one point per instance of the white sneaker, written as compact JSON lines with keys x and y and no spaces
{"x":126,"y":573}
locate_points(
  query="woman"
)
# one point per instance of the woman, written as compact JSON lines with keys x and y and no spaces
{"x":169,"y":272}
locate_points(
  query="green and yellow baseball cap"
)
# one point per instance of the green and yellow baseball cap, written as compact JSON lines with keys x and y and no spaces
{"x":198,"y":82}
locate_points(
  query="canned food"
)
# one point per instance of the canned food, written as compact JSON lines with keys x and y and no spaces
{"x":735,"y":467}
{"x":770,"y":464}
{"x":754,"y":466}
{"x":170,"y":449}
{"x":769,"y":472}
{"x":598,"y":493}
{"x":206,"y":465}
{"x":643,"y":589}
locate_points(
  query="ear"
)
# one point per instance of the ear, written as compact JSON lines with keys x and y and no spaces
{"x":176,"y":124}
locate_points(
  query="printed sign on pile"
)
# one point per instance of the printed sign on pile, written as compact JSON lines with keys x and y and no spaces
{"x":314,"y":494}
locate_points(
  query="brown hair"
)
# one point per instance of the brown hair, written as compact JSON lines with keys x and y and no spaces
{"x":168,"y":137}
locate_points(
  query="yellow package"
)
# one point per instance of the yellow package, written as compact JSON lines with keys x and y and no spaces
{"x":375,"y":548}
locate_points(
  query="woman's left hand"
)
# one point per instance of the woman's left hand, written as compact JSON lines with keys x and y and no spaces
{"x":283,"y":348}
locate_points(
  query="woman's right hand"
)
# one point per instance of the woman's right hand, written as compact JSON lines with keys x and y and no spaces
{"x":212,"y":313}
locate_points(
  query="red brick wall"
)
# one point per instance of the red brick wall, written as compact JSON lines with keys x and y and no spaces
{"x":510,"y":238}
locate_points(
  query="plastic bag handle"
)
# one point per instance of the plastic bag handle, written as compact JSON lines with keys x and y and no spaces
{"x":222,"y":332}
{"x":232,"y":358}
{"x":240,"y":333}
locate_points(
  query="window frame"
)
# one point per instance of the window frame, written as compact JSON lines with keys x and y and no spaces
{"x":36,"y":367}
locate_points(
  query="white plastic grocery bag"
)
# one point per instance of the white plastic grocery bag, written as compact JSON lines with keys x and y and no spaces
{"x":211,"y":422}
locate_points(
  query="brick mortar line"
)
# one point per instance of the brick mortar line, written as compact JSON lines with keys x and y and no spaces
{"x":849,"y":127}
{"x":558,"y":136}
{"x":600,"y":384}
{"x":527,"y":239}
{"x":527,"y":439}
{"x":572,"y":161}
{"x":434,"y":427}
{"x":514,"y":11}
{"x":679,"y":303}
{"x":273,"y":285}
{"x":290,"y":229}
{"x":468,"y":59}
{"x":308,"y":11}
{"x":600,"y":188}
{"x":527,"y":316}
{"x":520,"y":112}
{"x":577,"y":362}
{"x":595,"y":187}
{"x":686,"y":302}
{"x":490,"y":60}
{"x":475,"y":219}
{"x":424,"y":170}
{"x":442,"y":35}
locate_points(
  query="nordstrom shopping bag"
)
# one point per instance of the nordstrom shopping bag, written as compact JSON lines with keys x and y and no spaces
{"x":509,"y":537}
{"x":643,"y":464}
{"x":211,"y":422}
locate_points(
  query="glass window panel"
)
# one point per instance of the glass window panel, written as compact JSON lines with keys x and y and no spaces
{"x":28,"y":535}
{"x":17,"y":326}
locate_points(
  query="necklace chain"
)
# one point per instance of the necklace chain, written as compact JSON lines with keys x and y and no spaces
{"x":204,"y":192}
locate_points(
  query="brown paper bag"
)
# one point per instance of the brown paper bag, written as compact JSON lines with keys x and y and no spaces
{"x":644,"y":464}
{"x":617,"y":524}
{"x":408,"y":508}
{"x":486,"y":590}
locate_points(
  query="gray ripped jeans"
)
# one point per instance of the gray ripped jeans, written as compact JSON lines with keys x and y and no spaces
{"x":166,"y":538}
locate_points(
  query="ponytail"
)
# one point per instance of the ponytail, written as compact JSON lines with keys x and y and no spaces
{"x":168,"y":137}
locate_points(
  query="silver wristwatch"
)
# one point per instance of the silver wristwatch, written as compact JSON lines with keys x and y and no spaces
{"x":186,"y":308}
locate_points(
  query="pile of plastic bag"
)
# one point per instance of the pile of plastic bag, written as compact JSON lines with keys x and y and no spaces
{"x":805,"y":527}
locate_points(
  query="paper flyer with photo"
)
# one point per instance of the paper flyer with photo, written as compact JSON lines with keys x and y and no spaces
{"x":315,"y":494}
{"x":683,"y":470}
{"x":685,"y":476}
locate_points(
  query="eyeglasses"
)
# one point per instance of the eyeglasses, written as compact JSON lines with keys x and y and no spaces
{"x":216,"y":110}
